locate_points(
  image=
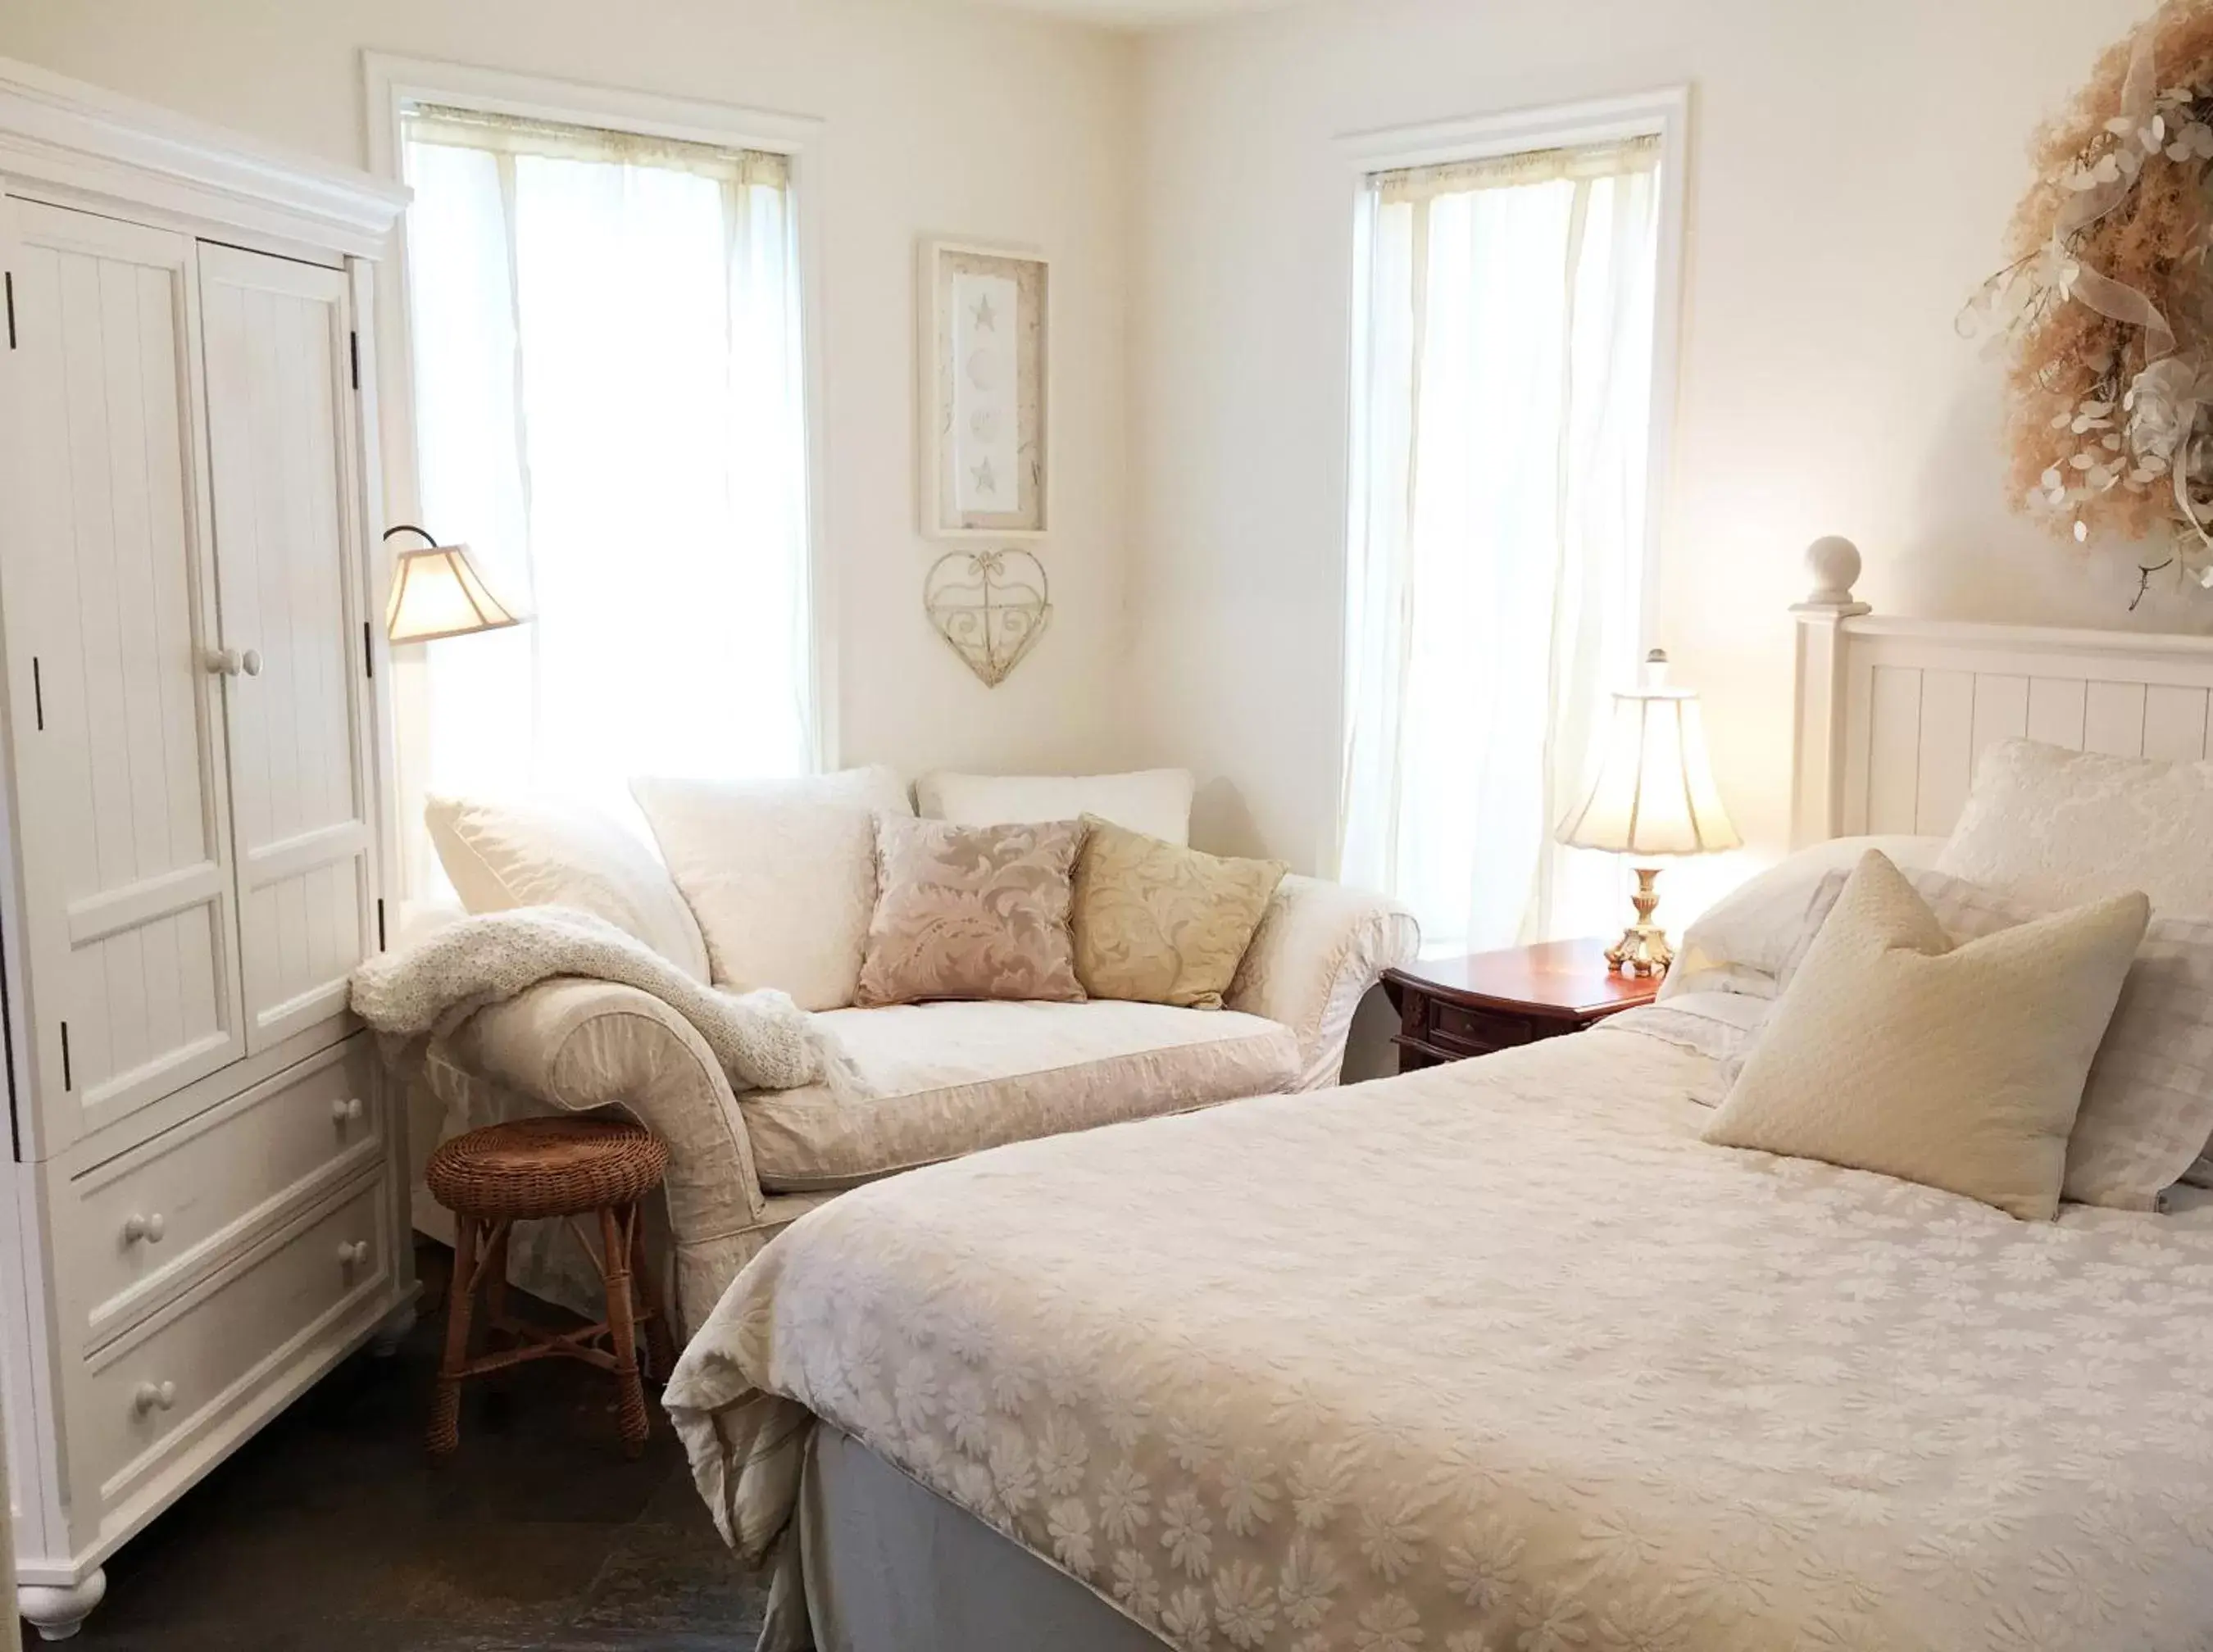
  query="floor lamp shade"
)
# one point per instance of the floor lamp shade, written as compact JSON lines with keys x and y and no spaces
{"x":437,"y":592}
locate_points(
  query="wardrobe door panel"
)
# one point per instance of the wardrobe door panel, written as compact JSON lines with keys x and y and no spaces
{"x":115,"y":722}
{"x":276,"y":338}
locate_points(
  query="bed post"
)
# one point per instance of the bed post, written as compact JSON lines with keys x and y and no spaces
{"x":1817,"y":755}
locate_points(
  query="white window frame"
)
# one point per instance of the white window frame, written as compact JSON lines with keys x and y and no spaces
{"x":397,"y":84}
{"x":1663,"y":113}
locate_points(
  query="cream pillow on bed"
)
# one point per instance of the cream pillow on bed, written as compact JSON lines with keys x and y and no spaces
{"x":2148,"y":1106}
{"x":1959,"y":1067}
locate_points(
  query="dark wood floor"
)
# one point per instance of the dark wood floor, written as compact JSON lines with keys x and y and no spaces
{"x":330,"y":1532}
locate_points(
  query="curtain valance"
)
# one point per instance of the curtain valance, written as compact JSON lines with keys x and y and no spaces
{"x":473,"y":129}
{"x":1582,"y":161}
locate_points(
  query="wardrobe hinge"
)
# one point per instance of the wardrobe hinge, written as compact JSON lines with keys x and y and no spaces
{"x":353,"y":356}
{"x":37,"y":695}
{"x":8,"y":277}
{"x":68,"y":1083}
{"x":380,"y":924}
{"x":368,"y":653}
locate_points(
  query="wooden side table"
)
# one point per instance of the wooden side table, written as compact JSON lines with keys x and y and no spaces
{"x":1452,"y":1009}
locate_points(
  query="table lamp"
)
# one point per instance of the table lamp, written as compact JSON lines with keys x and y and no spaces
{"x":1654,"y":798}
{"x":437,"y":592}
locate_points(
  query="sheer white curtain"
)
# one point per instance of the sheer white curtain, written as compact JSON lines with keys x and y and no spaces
{"x":1503,"y":389}
{"x":606,"y":335}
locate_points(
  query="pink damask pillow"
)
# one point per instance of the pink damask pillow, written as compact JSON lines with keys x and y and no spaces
{"x":972,"y":913}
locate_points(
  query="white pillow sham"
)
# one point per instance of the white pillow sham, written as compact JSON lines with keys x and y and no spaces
{"x":2148,"y":1107}
{"x":1719,"y":1026}
{"x":2048,"y":825}
{"x":1742,"y":942}
{"x":502,"y":855}
{"x":782,"y":874}
{"x":1156,"y":802}
{"x":2050,"y":828}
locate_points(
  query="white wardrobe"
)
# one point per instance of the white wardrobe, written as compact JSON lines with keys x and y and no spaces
{"x":203,"y":1204}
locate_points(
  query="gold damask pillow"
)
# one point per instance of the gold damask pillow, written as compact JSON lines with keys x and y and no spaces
{"x":971,"y":912}
{"x":1161,"y":923}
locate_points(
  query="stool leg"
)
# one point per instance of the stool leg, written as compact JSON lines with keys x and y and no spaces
{"x":660,"y":1339}
{"x":494,"y":1269}
{"x":622,"y":1331}
{"x":445,"y":1432}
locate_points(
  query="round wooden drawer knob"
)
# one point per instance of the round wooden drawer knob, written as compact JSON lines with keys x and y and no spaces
{"x":154,"y":1397}
{"x":346,"y":1110}
{"x":353,"y":1255}
{"x":148,"y":1228}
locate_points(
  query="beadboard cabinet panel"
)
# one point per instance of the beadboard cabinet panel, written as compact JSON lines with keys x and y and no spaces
{"x":116,"y":723}
{"x":277,"y":340}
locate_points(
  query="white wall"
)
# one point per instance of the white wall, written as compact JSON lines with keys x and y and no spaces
{"x":987,"y":124}
{"x":1853,"y":169}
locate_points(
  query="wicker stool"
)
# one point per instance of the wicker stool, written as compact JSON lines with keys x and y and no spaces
{"x":528,"y":1170}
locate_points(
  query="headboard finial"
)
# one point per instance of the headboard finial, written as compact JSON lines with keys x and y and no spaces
{"x":1834,"y":561}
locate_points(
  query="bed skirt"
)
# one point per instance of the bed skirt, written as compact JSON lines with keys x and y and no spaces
{"x":890,"y":1566}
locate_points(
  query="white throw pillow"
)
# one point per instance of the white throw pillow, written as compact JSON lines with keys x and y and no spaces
{"x":2148,"y":1107}
{"x":2050,"y":827}
{"x":1742,"y":941}
{"x":1957,"y":1066}
{"x":499,"y":855}
{"x":1156,"y":802}
{"x":782,"y":874}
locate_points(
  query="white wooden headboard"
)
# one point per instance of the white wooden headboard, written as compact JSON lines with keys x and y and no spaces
{"x":1893,"y":714}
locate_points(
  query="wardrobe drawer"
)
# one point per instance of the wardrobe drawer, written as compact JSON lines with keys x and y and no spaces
{"x":150,"y":1222}
{"x":203,"y":1359}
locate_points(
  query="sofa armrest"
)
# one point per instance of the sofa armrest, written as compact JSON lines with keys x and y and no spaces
{"x":578,"y":1045}
{"x":1320,"y":948}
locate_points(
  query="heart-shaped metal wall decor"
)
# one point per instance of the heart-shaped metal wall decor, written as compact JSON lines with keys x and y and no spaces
{"x":990,"y":606}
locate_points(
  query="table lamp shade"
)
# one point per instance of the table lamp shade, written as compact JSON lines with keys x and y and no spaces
{"x":436,"y":592}
{"x":1655,"y":794}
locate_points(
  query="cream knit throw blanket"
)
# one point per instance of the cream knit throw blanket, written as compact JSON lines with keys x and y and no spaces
{"x":763,"y":1040}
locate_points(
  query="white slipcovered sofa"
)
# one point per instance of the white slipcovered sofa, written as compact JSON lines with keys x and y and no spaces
{"x":945,"y":1079}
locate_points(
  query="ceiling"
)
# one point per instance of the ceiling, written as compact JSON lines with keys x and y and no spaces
{"x":1141,"y":13}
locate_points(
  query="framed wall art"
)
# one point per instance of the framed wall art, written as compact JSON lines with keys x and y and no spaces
{"x":986,"y":324}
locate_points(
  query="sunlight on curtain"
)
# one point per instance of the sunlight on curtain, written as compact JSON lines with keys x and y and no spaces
{"x":609,"y":410}
{"x":1502,"y":390}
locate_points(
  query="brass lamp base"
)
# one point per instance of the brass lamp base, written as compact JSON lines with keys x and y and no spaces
{"x":1643,"y":949}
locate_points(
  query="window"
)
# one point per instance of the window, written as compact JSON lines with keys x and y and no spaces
{"x":605,"y":335}
{"x":1502,"y":424}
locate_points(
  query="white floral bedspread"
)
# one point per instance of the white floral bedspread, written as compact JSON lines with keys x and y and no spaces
{"x":1500,"y":1355}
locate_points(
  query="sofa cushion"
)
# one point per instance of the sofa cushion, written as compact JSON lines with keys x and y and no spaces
{"x":1156,"y":802}
{"x":502,"y":854}
{"x":954,"y":1078}
{"x":782,"y":874}
{"x":971,"y":912}
{"x":1161,"y":923}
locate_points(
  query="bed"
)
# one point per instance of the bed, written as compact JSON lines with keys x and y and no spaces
{"x":1500,"y":1354}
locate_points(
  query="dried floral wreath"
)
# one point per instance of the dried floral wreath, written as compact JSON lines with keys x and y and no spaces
{"x":2108,"y":307}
